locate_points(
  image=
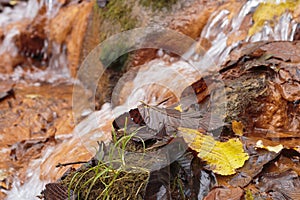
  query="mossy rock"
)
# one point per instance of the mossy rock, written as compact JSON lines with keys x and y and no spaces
{"x":118,"y":12}
{"x":158,"y":4}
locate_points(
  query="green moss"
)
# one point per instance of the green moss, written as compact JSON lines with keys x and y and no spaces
{"x":113,"y":179}
{"x":104,"y":182}
{"x":114,"y":18}
{"x":158,"y":4}
{"x":118,"y":12}
{"x":270,"y":11}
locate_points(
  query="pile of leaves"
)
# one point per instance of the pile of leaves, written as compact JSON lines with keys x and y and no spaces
{"x":193,"y":150}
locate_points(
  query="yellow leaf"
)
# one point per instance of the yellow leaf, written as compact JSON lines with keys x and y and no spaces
{"x":32,"y":96}
{"x":248,"y":195}
{"x":222,"y":157}
{"x":276,"y":149}
{"x":237,"y":127}
{"x":270,"y":11}
{"x":178,"y":108}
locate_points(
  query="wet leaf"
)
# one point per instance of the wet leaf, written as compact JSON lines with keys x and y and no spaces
{"x":225,"y":193}
{"x":203,"y":181}
{"x":156,"y":118}
{"x":288,"y":160}
{"x":178,"y":108}
{"x":32,"y":96}
{"x":152,"y":122}
{"x":237,"y":127}
{"x":56,"y":191}
{"x":158,"y":186}
{"x":270,"y":11}
{"x":281,"y":186}
{"x":276,"y":149}
{"x":222,"y":157}
{"x":253,"y":166}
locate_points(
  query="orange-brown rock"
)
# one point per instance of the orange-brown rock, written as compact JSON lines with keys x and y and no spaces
{"x":76,"y":37}
{"x":261,"y":82}
{"x":9,"y":62}
{"x":30,"y":119}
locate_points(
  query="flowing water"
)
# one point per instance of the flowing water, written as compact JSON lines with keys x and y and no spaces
{"x":154,"y":82}
{"x":13,"y":19}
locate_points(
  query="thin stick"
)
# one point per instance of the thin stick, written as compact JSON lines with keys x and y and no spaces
{"x":70,"y":163}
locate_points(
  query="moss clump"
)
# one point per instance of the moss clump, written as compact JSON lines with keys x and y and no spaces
{"x":118,"y":12}
{"x":105,"y":182}
{"x":270,"y":12}
{"x":112,"y":179}
{"x":114,"y":18}
{"x":158,"y":4}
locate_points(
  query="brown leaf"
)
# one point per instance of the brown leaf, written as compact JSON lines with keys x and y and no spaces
{"x":253,"y":166}
{"x":225,"y":193}
{"x":56,"y":191}
{"x":285,"y":185}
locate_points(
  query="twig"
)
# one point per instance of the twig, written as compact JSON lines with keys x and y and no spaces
{"x":70,"y":163}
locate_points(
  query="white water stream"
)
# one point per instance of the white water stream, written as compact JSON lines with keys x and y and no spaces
{"x":165,"y":74}
{"x":13,"y":18}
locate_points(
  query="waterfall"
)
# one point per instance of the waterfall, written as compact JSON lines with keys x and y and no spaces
{"x":57,"y":69}
{"x":223,"y":31}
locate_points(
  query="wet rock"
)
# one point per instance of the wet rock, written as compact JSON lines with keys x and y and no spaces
{"x":102,"y":3}
{"x":186,"y":17}
{"x":261,"y":84}
{"x":6,"y":90}
{"x":31,"y":40}
{"x":9,"y":62}
{"x":35,"y":114}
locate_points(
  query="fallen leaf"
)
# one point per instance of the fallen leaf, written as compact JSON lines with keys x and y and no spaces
{"x":237,"y":127}
{"x":252,"y":167}
{"x":225,"y":193}
{"x":178,"y":108}
{"x":158,"y":185}
{"x":284,"y":185}
{"x":222,"y":157}
{"x":202,"y":179}
{"x":276,"y":149}
{"x":32,"y":96}
{"x":56,"y":191}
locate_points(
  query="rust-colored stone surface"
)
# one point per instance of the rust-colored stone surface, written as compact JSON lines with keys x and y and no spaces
{"x":32,"y":118}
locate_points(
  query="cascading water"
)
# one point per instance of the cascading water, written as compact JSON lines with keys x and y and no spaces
{"x":221,"y":30}
{"x":28,"y":12}
{"x":226,"y":32}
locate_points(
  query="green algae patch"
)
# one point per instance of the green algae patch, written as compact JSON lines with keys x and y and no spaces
{"x":271,"y":12}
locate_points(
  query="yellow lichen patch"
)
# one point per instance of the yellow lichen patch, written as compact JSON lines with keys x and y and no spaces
{"x":237,"y":127}
{"x":270,"y":11}
{"x":276,"y":149}
{"x":222,"y":157}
